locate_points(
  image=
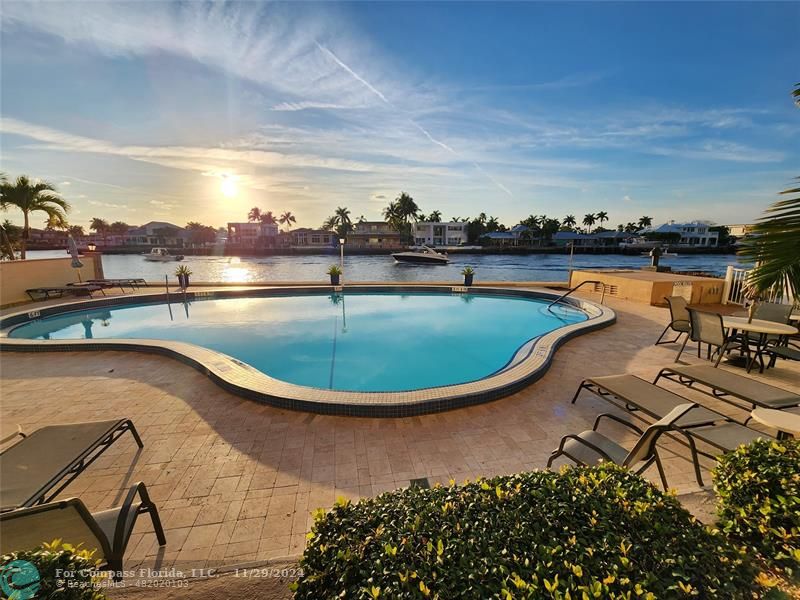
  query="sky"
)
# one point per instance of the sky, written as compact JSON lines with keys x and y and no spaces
{"x":192,"y":111}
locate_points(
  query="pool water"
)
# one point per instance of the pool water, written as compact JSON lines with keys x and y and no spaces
{"x":352,"y":341}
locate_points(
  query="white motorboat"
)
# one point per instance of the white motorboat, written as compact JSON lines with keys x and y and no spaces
{"x":162,"y":255}
{"x":425,"y":256}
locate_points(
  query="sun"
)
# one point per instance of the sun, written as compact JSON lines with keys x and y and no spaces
{"x":228,"y":187}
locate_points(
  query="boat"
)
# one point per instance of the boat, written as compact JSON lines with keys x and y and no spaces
{"x":162,"y":255}
{"x":424,"y":256}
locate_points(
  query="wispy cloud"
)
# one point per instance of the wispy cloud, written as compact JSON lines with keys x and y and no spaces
{"x":572,"y":80}
{"x":308,"y":105}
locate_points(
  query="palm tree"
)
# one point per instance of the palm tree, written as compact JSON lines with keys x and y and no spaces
{"x":774,"y":249}
{"x":435,"y":216}
{"x":267,"y":218}
{"x":569,"y":221}
{"x":254,"y":215}
{"x":76,"y":231}
{"x":391,"y":214}
{"x":329,"y":224}
{"x":602,"y":216}
{"x":100,"y":226}
{"x":30,"y":197}
{"x":119,"y":228}
{"x":54,"y":222}
{"x":645,"y":222}
{"x":342,"y":214}
{"x":287,"y":219}
{"x":9,"y":237}
{"x":589,"y":220}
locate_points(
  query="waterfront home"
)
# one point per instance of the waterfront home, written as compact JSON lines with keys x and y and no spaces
{"x":253,"y":235}
{"x":740,"y":232}
{"x":439,"y":234}
{"x":519,"y":235}
{"x":154,"y":233}
{"x":47,"y":237}
{"x":306,"y":238}
{"x":693,"y":233}
{"x":373,"y":234}
{"x":602,"y":239}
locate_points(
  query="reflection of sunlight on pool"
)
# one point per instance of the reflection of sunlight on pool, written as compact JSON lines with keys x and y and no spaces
{"x":233,"y":274}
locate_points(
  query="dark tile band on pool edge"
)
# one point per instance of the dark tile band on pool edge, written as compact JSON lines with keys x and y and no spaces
{"x":243,"y":380}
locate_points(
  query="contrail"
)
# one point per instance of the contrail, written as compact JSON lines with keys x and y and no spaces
{"x":424,"y":131}
{"x":353,"y":73}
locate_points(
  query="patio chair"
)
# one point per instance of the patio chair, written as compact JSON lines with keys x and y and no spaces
{"x":788,"y":352}
{"x":40,"y":465}
{"x":590,"y":446}
{"x":708,"y":328}
{"x":679,"y":320}
{"x":730,"y":387}
{"x":772,"y":311}
{"x":107,"y":531}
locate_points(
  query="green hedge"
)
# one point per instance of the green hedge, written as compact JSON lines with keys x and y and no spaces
{"x":61,"y":571}
{"x":597,"y":532}
{"x":759,"y":500}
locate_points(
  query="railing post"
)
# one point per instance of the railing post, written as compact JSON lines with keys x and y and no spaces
{"x":726,"y":287}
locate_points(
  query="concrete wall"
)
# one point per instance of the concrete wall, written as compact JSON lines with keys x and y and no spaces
{"x":651,"y":288}
{"x":16,"y":276}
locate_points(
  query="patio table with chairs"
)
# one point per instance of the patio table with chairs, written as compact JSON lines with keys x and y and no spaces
{"x":764,"y":329}
{"x":767,"y":332}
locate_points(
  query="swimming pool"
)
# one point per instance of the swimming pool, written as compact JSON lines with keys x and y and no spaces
{"x":352,"y":341}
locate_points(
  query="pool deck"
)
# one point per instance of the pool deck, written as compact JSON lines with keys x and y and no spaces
{"x":235,"y":480}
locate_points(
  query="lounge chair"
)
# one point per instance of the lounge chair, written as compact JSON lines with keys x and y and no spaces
{"x":45,"y":293}
{"x":730,"y":387}
{"x":590,"y":446}
{"x":107,"y":531}
{"x":132,"y":282}
{"x":679,"y":320}
{"x":707,"y":328}
{"x":648,"y":402}
{"x":636,"y":395}
{"x":38,"y":467}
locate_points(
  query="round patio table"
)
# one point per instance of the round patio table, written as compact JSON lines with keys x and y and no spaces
{"x":785,"y":422}
{"x":759,"y":326}
{"x":762,"y":328}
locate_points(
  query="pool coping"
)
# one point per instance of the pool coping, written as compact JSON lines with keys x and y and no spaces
{"x":243,"y":380}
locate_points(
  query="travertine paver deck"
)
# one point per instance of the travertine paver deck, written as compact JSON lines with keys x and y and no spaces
{"x":235,"y":480}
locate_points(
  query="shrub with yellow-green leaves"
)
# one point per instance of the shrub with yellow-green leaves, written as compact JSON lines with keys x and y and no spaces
{"x":54,"y":570}
{"x":759,"y":500}
{"x":592,"y":532}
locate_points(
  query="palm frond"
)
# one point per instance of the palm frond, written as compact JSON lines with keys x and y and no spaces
{"x":775,"y":249}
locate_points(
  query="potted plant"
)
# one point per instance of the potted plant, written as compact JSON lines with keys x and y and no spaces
{"x":468,"y":273}
{"x":183,"y":273}
{"x":335,"y":272}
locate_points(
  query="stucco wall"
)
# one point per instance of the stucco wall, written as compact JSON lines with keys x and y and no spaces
{"x":16,"y":276}
{"x":651,"y":288}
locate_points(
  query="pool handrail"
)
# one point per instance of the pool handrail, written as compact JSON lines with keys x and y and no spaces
{"x":562,"y":296}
